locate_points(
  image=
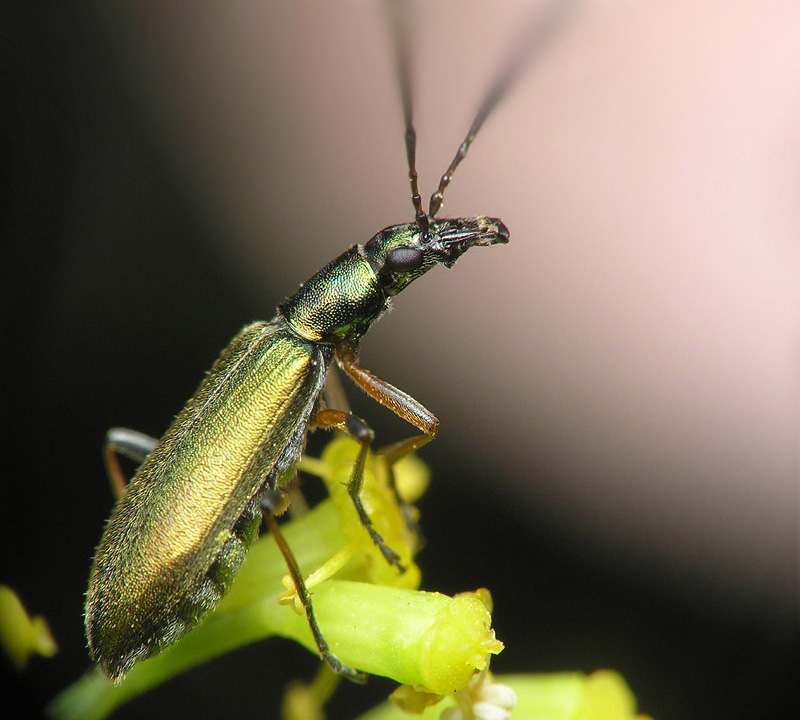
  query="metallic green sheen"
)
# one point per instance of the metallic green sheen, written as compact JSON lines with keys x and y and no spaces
{"x":340,"y":302}
{"x":178,"y":536}
{"x":172,"y":543}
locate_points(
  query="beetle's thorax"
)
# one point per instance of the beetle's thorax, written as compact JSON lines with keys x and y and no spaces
{"x":339,"y":303}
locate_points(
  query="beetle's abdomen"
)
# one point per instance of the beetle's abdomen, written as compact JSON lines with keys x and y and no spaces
{"x":220,"y":574}
{"x":177,"y":537}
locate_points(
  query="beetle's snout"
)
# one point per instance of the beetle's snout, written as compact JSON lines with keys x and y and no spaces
{"x":456,"y":236}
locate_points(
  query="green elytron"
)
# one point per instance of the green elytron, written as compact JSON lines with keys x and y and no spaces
{"x":182,"y":527}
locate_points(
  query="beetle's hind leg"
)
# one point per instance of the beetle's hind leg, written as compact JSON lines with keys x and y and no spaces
{"x":131,"y":444}
{"x":274,"y":502}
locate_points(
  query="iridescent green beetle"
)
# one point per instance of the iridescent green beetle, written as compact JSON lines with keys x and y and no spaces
{"x":182,"y":528}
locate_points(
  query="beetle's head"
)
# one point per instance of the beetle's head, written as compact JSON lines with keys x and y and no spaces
{"x":402,"y":253}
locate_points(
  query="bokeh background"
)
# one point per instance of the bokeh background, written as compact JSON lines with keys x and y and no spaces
{"x":618,"y":387}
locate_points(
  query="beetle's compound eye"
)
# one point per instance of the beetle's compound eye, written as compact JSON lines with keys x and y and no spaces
{"x":403,"y":259}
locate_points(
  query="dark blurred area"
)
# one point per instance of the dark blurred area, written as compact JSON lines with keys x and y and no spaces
{"x":618,"y":389}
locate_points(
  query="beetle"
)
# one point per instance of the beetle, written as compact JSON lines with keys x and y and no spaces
{"x":183,"y":524}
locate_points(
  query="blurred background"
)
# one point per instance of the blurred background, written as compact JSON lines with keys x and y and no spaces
{"x":618,"y":387}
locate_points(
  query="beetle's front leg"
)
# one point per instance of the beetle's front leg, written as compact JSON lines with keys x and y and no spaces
{"x":399,"y":402}
{"x":402,"y":405}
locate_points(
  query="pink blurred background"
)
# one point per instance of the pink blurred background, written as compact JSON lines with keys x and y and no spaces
{"x":629,"y":364}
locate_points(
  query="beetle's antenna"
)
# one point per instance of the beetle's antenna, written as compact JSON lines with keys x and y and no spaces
{"x":541,"y":30}
{"x":398,"y":24}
